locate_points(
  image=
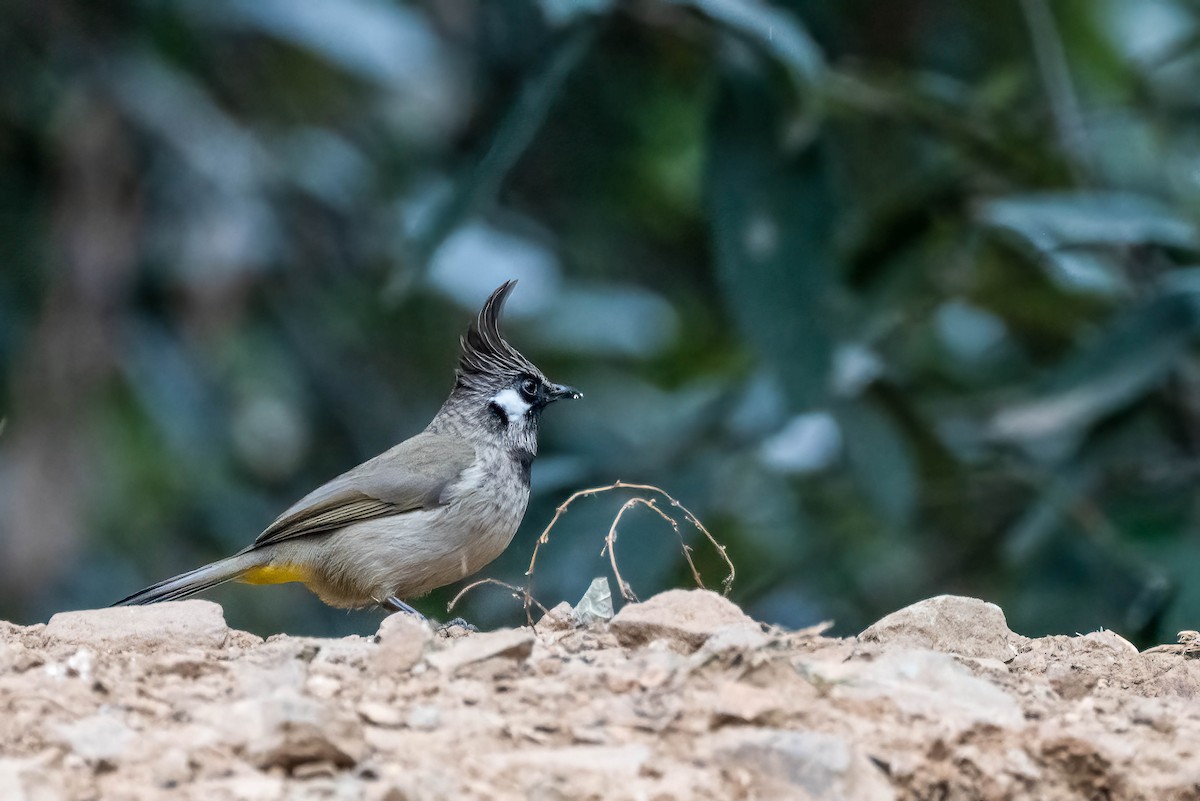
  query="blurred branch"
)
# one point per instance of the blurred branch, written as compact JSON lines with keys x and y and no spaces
{"x":853,"y":94}
{"x":899,"y":222}
{"x":1057,"y":496}
{"x":1154,"y":586}
{"x":1056,"y":76}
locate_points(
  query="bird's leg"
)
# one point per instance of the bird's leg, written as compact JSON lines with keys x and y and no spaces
{"x":394,"y":604}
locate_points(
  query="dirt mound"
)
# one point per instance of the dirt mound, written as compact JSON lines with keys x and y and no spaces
{"x":682,"y":696}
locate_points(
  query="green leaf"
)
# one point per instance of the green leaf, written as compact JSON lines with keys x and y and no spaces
{"x":1054,"y":220}
{"x":1125,"y":362}
{"x":880,"y":459}
{"x":772,"y":30}
{"x":772,"y":218}
{"x":376,"y":40}
{"x":479,"y":183}
{"x":568,"y":12}
{"x":1065,"y":229}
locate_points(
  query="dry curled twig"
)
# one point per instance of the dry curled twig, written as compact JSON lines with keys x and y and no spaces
{"x":518,"y":592}
{"x":610,"y":541}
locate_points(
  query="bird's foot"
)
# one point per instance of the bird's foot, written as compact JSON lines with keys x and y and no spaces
{"x":457,"y":622}
{"x":394,"y":604}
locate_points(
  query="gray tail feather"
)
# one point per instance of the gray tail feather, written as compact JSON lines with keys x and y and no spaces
{"x":191,"y":582}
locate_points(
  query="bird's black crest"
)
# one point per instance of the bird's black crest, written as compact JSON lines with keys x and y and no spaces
{"x":485,"y":354}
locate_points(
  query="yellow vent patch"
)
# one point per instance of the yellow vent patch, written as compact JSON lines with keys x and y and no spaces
{"x":276,"y":574}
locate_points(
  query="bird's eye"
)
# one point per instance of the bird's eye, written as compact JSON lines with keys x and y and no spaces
{"x":528,"y":388}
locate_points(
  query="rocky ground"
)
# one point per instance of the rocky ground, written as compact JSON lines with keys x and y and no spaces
{"x":682,"y":696}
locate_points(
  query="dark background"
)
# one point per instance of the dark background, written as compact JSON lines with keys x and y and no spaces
{"x":897,"y":297}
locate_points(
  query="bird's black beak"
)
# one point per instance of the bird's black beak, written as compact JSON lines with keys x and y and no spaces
{"x":561,"y":392}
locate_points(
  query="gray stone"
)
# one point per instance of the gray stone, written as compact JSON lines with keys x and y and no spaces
{"x":175,"y":625}
{"x":685,"y":617}
{"x":951,"y":624}
{"x":514,"y":644}
{"x":380,"y":714}
{"x":818,"y":765}
{"x":100,"y":738}
{"x":927,"y":684}
{"x":29,"y":780}
{"x":735,"y":639}
{"x":286,"y":729}
{"x":615,"y":761}
{"x":402,"y":642}
{"x":251,"y":786}
{"x":423,"y":717}
{"x":561,"y":616}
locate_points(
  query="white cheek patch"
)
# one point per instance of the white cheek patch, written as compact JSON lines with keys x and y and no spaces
{"x":511,"y":403}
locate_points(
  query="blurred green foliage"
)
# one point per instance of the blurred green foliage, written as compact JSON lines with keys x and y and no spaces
{"x":898,"y":298}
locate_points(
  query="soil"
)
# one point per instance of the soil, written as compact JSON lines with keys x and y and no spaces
{"x":682,"y":696}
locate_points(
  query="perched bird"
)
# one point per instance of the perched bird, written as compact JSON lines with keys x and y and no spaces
{"x":430,"y":511}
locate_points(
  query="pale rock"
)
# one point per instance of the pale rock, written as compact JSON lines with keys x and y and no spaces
{"x":241,"y":787}
{"x":683,"y":617}
{"x":322,"y":686}
{"x":424,"y":784}
{"x":1171,"y":676}
{"x":173,"y":625}
{"x":658,"y":665}
{"x":318,"y":779}
{"x":99,"y":738}
{"x":286,"y":729}
{"x":402,"y":642}
{"x":951,"y":624}
{"x":516,"y":644}
{"x":992,"y":666}
{"x":15,"y":657}
{"x":13,"y":634}
{"x":745,"y":703}
{"x":81,"y":663}
{"x":252,"y":679}
{"x":1107,"y":638}
{"x":423,"y":717}
{"x":1075,"y":666}
{"x":242,"y":639}
{"x":351,"y":651}
{"x":281,"y":649}
{"x":801,"y":764}
{"x":611,"y":761}
{"x":927,"y":684}
{"x":735,"y":639}
{"x":391,"y":792}
{"x":171,"y":767}
{"x":558,"y":617}
{"x":28,"y":780}
{"x":380,"y":714}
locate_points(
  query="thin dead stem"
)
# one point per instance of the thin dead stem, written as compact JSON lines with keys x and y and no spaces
{"x":610,"y":545}
{"x":527,"y":600}
{"x":610,"y":541}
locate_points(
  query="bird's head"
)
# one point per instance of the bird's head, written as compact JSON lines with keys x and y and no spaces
{"x":499,"y":389}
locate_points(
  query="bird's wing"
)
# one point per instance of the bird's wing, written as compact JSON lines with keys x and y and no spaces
{"x":412,"y":475}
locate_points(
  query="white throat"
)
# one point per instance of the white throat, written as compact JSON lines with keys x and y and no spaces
{"x":511,"y":403}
